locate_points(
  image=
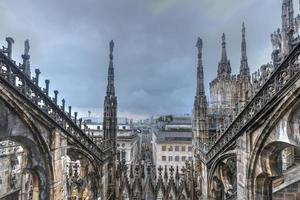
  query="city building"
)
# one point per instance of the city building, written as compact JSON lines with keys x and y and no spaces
{"x":128,"y":138}
{"x":172,"y":143}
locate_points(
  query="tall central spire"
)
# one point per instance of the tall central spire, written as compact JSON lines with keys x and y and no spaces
{"x":244,"y":68}
{"x":224,"y":65}
{"x":200,"y":76}
{"x":110,"y":105}
{"x":200,"y":134}
{"x":110,"y":124}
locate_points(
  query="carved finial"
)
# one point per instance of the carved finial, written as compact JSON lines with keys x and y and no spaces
{"x":37,"y":74}
{"x":70,"y":111}
{"x":166,"y":173}
{"x":63,"y":104}
{"x":55,"y":96}
{"x":75,"y":117}
{"x":80,"y":122}
{"x":47,"y":82}
{"x":177,"y":173}
{"x":171,"y":170}
{"x":10,"y":42}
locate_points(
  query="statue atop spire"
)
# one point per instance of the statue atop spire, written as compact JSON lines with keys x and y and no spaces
{"x":244,"y":68}
{"x":224,"y":65}
{"x":199,"y":45}
{"x":111,"y":49}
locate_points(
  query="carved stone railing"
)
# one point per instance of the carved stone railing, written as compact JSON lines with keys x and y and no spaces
{"x":29,"y":89}
{"x":286,"y":73}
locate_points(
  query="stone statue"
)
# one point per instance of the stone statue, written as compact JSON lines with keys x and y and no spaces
{"x":276,"y":40}
{"x":27,"y":47}
{"x":111,"y":46}
{"x":217,"y":188}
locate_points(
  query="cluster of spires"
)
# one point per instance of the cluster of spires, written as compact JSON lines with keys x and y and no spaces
{"x":144,"y":179}
{"x":224,"y":70}
{"x":224,"y":64}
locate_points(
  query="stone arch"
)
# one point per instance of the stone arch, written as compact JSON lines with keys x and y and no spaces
{"x":221,"y":178}
{"x":293,"y":128}
{"x":276,"y":135}
{"x":269,"y":169}
{"x":29,"y":189}
{"x":182,"y":197}
{"x":18,"y":126}
{"x":89,"y":174}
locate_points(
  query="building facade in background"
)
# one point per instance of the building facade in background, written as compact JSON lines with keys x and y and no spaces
{"x":172,"y":143}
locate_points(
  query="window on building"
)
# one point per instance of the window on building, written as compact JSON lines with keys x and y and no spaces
{"x":163,"y":158}
{"x":124,"y":127}
{"x":118,"y":155}
{"x":170,"y":158}
{"x":190,"y":158}
{"x":123,"y":155}
{"x":183,"y":148}
{"x":98,"y":127}
{"x":176,"y":148}
{"x":176,"y":158}
{"x":190,"y":148}
{"x":183,"y":158}
{"x":163,"y":148}
{"x":170,"y":148}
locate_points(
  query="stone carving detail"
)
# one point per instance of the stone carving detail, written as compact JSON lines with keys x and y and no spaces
{"x":13,"y":174}
{"x":168,"y":184}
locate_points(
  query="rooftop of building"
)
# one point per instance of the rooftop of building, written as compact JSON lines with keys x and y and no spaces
{"x":173,"y":136}
{"x":181,"y":120}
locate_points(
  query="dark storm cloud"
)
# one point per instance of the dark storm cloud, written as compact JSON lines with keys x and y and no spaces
{"x":155,"y":57}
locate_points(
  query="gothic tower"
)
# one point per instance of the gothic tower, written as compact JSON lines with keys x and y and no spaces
{"x":223,"y":86}
{"x":110,"y":128}
{"x":200,"y":120}
{"x":110,"y":106}
{"x":244,"y":79}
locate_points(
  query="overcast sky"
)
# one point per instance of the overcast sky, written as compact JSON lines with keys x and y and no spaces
{"x":155,"y":54}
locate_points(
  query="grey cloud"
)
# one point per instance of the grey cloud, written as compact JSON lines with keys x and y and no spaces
{"x":155,"y":57}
